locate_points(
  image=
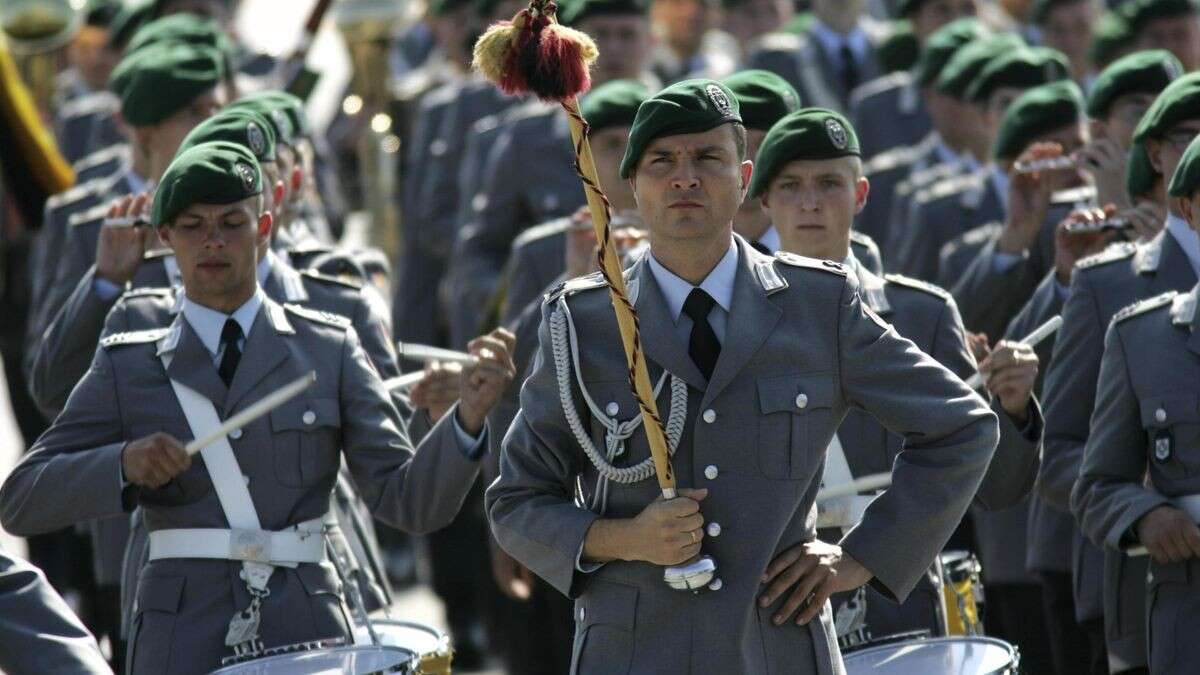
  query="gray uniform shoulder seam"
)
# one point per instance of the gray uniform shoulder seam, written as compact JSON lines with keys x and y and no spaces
{"x":332,"y":281}
{"x":827,"y":266}
{"x":917,"y":284}
{"x":1118,"y":251}
{"x":546,"y":229}
{"x":135,"y":337}
{"x":1156,"y":302}
{"x":318,"y":316}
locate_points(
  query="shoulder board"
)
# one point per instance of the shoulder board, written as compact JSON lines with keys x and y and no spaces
{"x":949,"y":186}
{"x":1083,"y":193}
{"x":926,"y":177}
{"x":1144,"y":306}
{"x":977,"y":236}
{"x":484,"y":125}
{"x":576,"y":285}
{"x":892,"y":159}
{"x":331,"y":280}
{"x":525,"y":111}
{"x":148,"y":292}
{"x":135,"y":337}
{"x":92,"y":215}
{"x":917,"y":284}
{"x":546,"y":229}
{"x":74,"y":194}
{"x":1122,"y":250}
{"x":862,"y":239}
{"x":881,"y":85}
{"x":811,"y":263}
{"x":441,"y":96}
{"x":90,"y":104}
{"x":781,"y":41}
{"x":117,"y":151}
{"x":317,"y":316}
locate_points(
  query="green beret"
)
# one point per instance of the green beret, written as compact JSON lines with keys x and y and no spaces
{"x":1146,"y":72}
{"x":1180,"y":101}
{"x":189,"y":28}
{"x":1186,"y":180}
{"x":159,"y":80}
{"x":1110,"y":38}
{"x":966,"y":64}
{"x":762,"y":96}
{"x":899,"y":50}
{"x":942,"y":45}
{"x":1138,"y":13}
{"x":242,"y":126}
{"x":127,"y":22}
{"x":574,"y":12}
{"x":613,"y":104}
{"x":687,"y":107}
{"x":1021,"y":68}
{"x":810,"y":133}
{"x":293,"y":107}
{"x":1140,"y":176}
{"x":1035,"y":113}
{"x":269,"y":109}
{"x":209,"y":173}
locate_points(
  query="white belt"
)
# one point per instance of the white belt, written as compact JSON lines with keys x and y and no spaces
{"x":843,"y":512}
{"x":305,"y":543}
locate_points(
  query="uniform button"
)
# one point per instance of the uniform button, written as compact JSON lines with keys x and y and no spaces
{"x":235,"y":434}
{"x":582,"y":614}
{"x":802,"y":401}
{"x":714,"y":529}
{"x":710,"y":472}
{"x":715,"y":585}
{"x":710,"y":416}
{"x":612,"y":409}
{"x":309,"y":417}
{"x":1160,"y":415}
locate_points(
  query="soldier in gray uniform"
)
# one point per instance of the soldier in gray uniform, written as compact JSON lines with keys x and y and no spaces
{"x":38,"y":631}
{"x":795,"y":317}
{"x":1101,"y":286}
{"x":1173,"y":25}
{"x":889,"y":112}
{"x":1067,"y":26}
{"x":812,"y":199}
{"x":1134,"y":486}
{"x":107,"y":450}
{"x":833,"y":56}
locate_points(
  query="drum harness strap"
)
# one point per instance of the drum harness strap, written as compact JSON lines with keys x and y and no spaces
{"x":259,"y":550}
{"x":564,"y":344}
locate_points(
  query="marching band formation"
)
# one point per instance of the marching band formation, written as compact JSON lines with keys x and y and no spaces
{"x":821,"y":336}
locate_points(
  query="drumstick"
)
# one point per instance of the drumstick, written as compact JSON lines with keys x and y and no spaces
{"x":415,"y":352}
{"x":1040,"y":333}
{"x":255,"y":411}
{"x":874,"y":481}
{"x":404,"y":381}
{"x":1137,"y":551}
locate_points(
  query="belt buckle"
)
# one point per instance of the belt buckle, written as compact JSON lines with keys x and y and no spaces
{"x":250,"y":545}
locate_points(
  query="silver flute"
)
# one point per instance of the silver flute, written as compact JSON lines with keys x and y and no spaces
{"x":1112,"y":223}
{"x":1045,"y":164}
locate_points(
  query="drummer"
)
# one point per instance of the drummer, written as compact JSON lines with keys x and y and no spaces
{"x":207,"y":593}
{"x":811,"y":190}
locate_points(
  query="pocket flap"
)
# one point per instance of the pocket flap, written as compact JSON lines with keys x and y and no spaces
{"x":1167,"y":573}
{"x":795,"y":393}
{"x":609,"y":603}
{"x":1160,"y":412}
{"x":303,"y":414}
{"x":159,"y":594}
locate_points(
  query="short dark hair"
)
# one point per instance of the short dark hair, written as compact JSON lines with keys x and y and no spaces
{"x":739,"y":140}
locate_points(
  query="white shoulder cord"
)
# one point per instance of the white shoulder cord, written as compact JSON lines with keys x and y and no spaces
{"x":564,"y":346}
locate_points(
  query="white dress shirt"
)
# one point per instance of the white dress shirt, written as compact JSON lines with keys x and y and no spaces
{"x":718,"y":284}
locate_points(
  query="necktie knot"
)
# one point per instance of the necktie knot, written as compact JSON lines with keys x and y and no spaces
{"x":698,"y":304}
{"x":231,"y":333}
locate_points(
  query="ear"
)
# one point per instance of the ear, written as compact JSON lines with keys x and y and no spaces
{"x":862,"y":188}
{"x":1098,"y":128}
{"x":265,"y":221}
{"x":297,"y":179}
{"x":1153,"y":147}
{"x":277,"y":192}
{"x":1186,"y":206}
{"x":164,"y":233}
{"x":747,"y":169}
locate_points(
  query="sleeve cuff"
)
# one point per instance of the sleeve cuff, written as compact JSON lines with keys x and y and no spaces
{"x":585,"y":567}
{"x":1032,"y":431}
{"x":1061,"y":290}
{"x":1003,"y":262}
{"x":472,"y":447}
{"x":105,"y":289}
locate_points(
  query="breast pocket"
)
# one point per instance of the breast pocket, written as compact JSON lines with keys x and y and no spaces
{"x":1172,"y":424}
{"x":306,"y":440}
{"x":795,"y":421}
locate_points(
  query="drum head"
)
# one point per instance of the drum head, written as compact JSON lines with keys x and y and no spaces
{"x":415,"y":637}
{"x":352,"y":660}
{"x":940,"y":656}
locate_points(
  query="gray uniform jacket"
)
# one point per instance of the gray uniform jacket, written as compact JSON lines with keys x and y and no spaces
{"x":1100,"y":287}
{"x":801,"y":61}
{"x":1141,"y":453}
{"x":347,"y":413}
{"x":888,"y":112}
{"x":86,"y":123}
{"x":940,"y":213}
{"x":806,"y":350}
{"x":886,"y":171}
{"x":38,"y":631}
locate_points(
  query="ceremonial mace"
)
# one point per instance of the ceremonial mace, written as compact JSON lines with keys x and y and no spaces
{"x":534,"y":54}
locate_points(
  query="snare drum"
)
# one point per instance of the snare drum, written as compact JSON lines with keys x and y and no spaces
{"x":962,"y":593}
{"x":353,"y":660}
{"x":937,"y":656}
{"x":431,"y":645}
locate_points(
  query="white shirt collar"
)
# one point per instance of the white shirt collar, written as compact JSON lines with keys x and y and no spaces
{"x":718,"y":283}
{"x":208,"y":323}
{"x":1187,"y":239}
{"x":832,"y":41}
{"x":770,"y":239}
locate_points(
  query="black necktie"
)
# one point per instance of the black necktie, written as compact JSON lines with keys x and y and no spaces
{"x":849,"y":69}
{"x":230,"y":335}
{"x":703,"y":346}
{"x":761,"y":248}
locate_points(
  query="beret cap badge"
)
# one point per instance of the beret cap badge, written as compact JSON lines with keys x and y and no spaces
{"x":719,"y":99}
{"x":247,"y":174}
{"x":837,"y":134}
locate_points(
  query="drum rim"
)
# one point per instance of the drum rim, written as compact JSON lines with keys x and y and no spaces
{"x":1009,"y":647}
{"x":410,"y":655}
